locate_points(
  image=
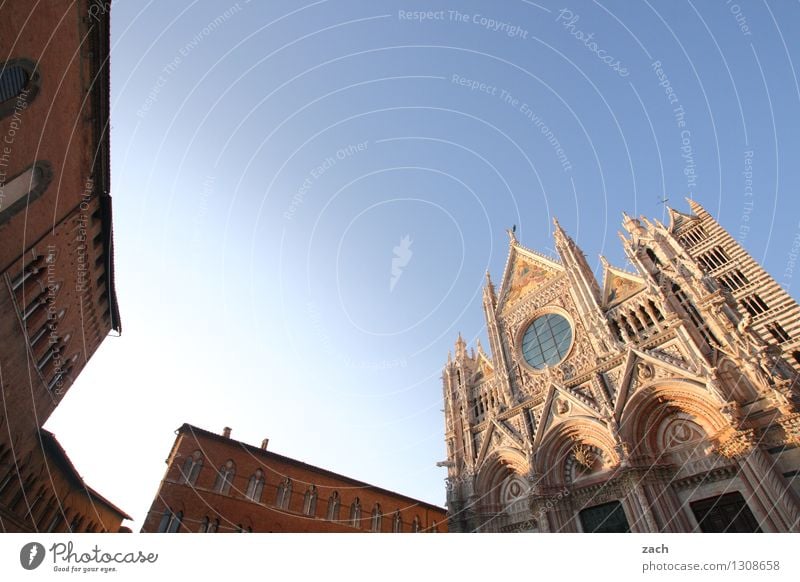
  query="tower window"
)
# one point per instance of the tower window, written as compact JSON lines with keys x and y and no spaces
{"x":693,"y":237}
{"x":754,"y":304}
{"x":777,"y":331}
{"x":714,"y":258}
{"x":653,"y":257}
{"x":733,"y":280}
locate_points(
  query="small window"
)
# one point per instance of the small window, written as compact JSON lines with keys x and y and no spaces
{"x":284,"y":494}
{"x":170,"y":522}
{"x":754,"y":304}
{"x":333,"y":506}
{"x":310,"y":501}
{"x":415,"y":526}
{"x":255,"y":486}
{"x":397,"y":523}
{"x":225,"y":478}
{"x":377,"y":518}
{"x":23,"y":189}
{"x":191,"y":468}
{"x":19,"y":84}
{"x":12,"y":82}
{"x":355,"y":513}
{"x":777,"y":331}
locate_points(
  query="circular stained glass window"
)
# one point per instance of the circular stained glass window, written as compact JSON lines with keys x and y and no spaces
{"x":547,"y":340}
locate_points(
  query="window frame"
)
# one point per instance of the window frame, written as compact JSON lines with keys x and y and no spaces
{"x":33,"y":85}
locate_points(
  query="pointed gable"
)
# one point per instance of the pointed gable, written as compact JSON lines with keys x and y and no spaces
{"x":677,"y":219}
{"x":526,"y":270}
{"x":618,"y":285}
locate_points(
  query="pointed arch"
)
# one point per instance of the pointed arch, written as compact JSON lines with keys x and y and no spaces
{"x":225,"y":477}
{"x":191,"y":468}
{"x":255,"y":486}
{"x":310,"y":501}
{"x":334,"y":506}
{"x":645,"y":414}
{"x":559,"y":445}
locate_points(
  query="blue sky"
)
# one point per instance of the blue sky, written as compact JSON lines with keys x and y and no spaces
{"x":268,"y":159}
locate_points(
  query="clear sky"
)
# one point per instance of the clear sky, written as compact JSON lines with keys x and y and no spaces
{"x":307,"y":196}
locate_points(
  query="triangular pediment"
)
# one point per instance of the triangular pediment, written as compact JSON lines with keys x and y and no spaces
{"x":498,"y":435}
{"x":525,"y":271}
{"x":641,"y":368}
{"x":618,"y":285}
{"x":677,"y":219}
{"x":483,"y":367}
{"x":561,"y":404}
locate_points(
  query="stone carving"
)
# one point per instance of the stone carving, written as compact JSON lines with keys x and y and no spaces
{"x":584,"y":456}
{"x":644,"y":371}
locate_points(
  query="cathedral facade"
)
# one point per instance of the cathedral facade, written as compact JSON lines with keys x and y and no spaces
{"x":660,"y":400}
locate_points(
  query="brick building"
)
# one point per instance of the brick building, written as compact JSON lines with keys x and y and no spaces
{"x":214,"y":483}
{"x":664,"y":399}
{"x":57,"y":297}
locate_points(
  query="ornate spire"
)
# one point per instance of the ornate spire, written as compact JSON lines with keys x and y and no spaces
{"x":560,"y":236}
{"x":461,"y":347}
{"x":512,"y":234}
{"x":488,"y":291}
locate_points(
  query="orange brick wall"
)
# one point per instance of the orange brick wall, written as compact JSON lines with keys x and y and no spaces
{"x":234,"y":510}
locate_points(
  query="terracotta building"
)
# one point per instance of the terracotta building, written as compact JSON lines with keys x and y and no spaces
{"x":664,"y":399}
{"x":214,"y":483}
{"x":57,"y":301}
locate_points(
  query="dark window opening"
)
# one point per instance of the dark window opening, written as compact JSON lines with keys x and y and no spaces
{"x":727,"y":513}
{"x":605,"y":518}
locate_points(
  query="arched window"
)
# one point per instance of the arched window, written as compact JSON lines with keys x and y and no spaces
{"x":175,"y":525}
{"x":255,"y":486}
{"x":310,"y":501}
{"x":225,"y":478}
{"x":204,"y":525}
{"x":19,"y":84}
{"x":333,"y":506}
{"x":284,"y":495}
{"x":355,"y":513}
{"x":191,"y":468}
{"x":23,"y":189}
{"x":415,"y":527}
{"x":377,"y":517}
{"x":170,"y":522}
{"x":397,"y":523}
{"x":12,"y":82}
